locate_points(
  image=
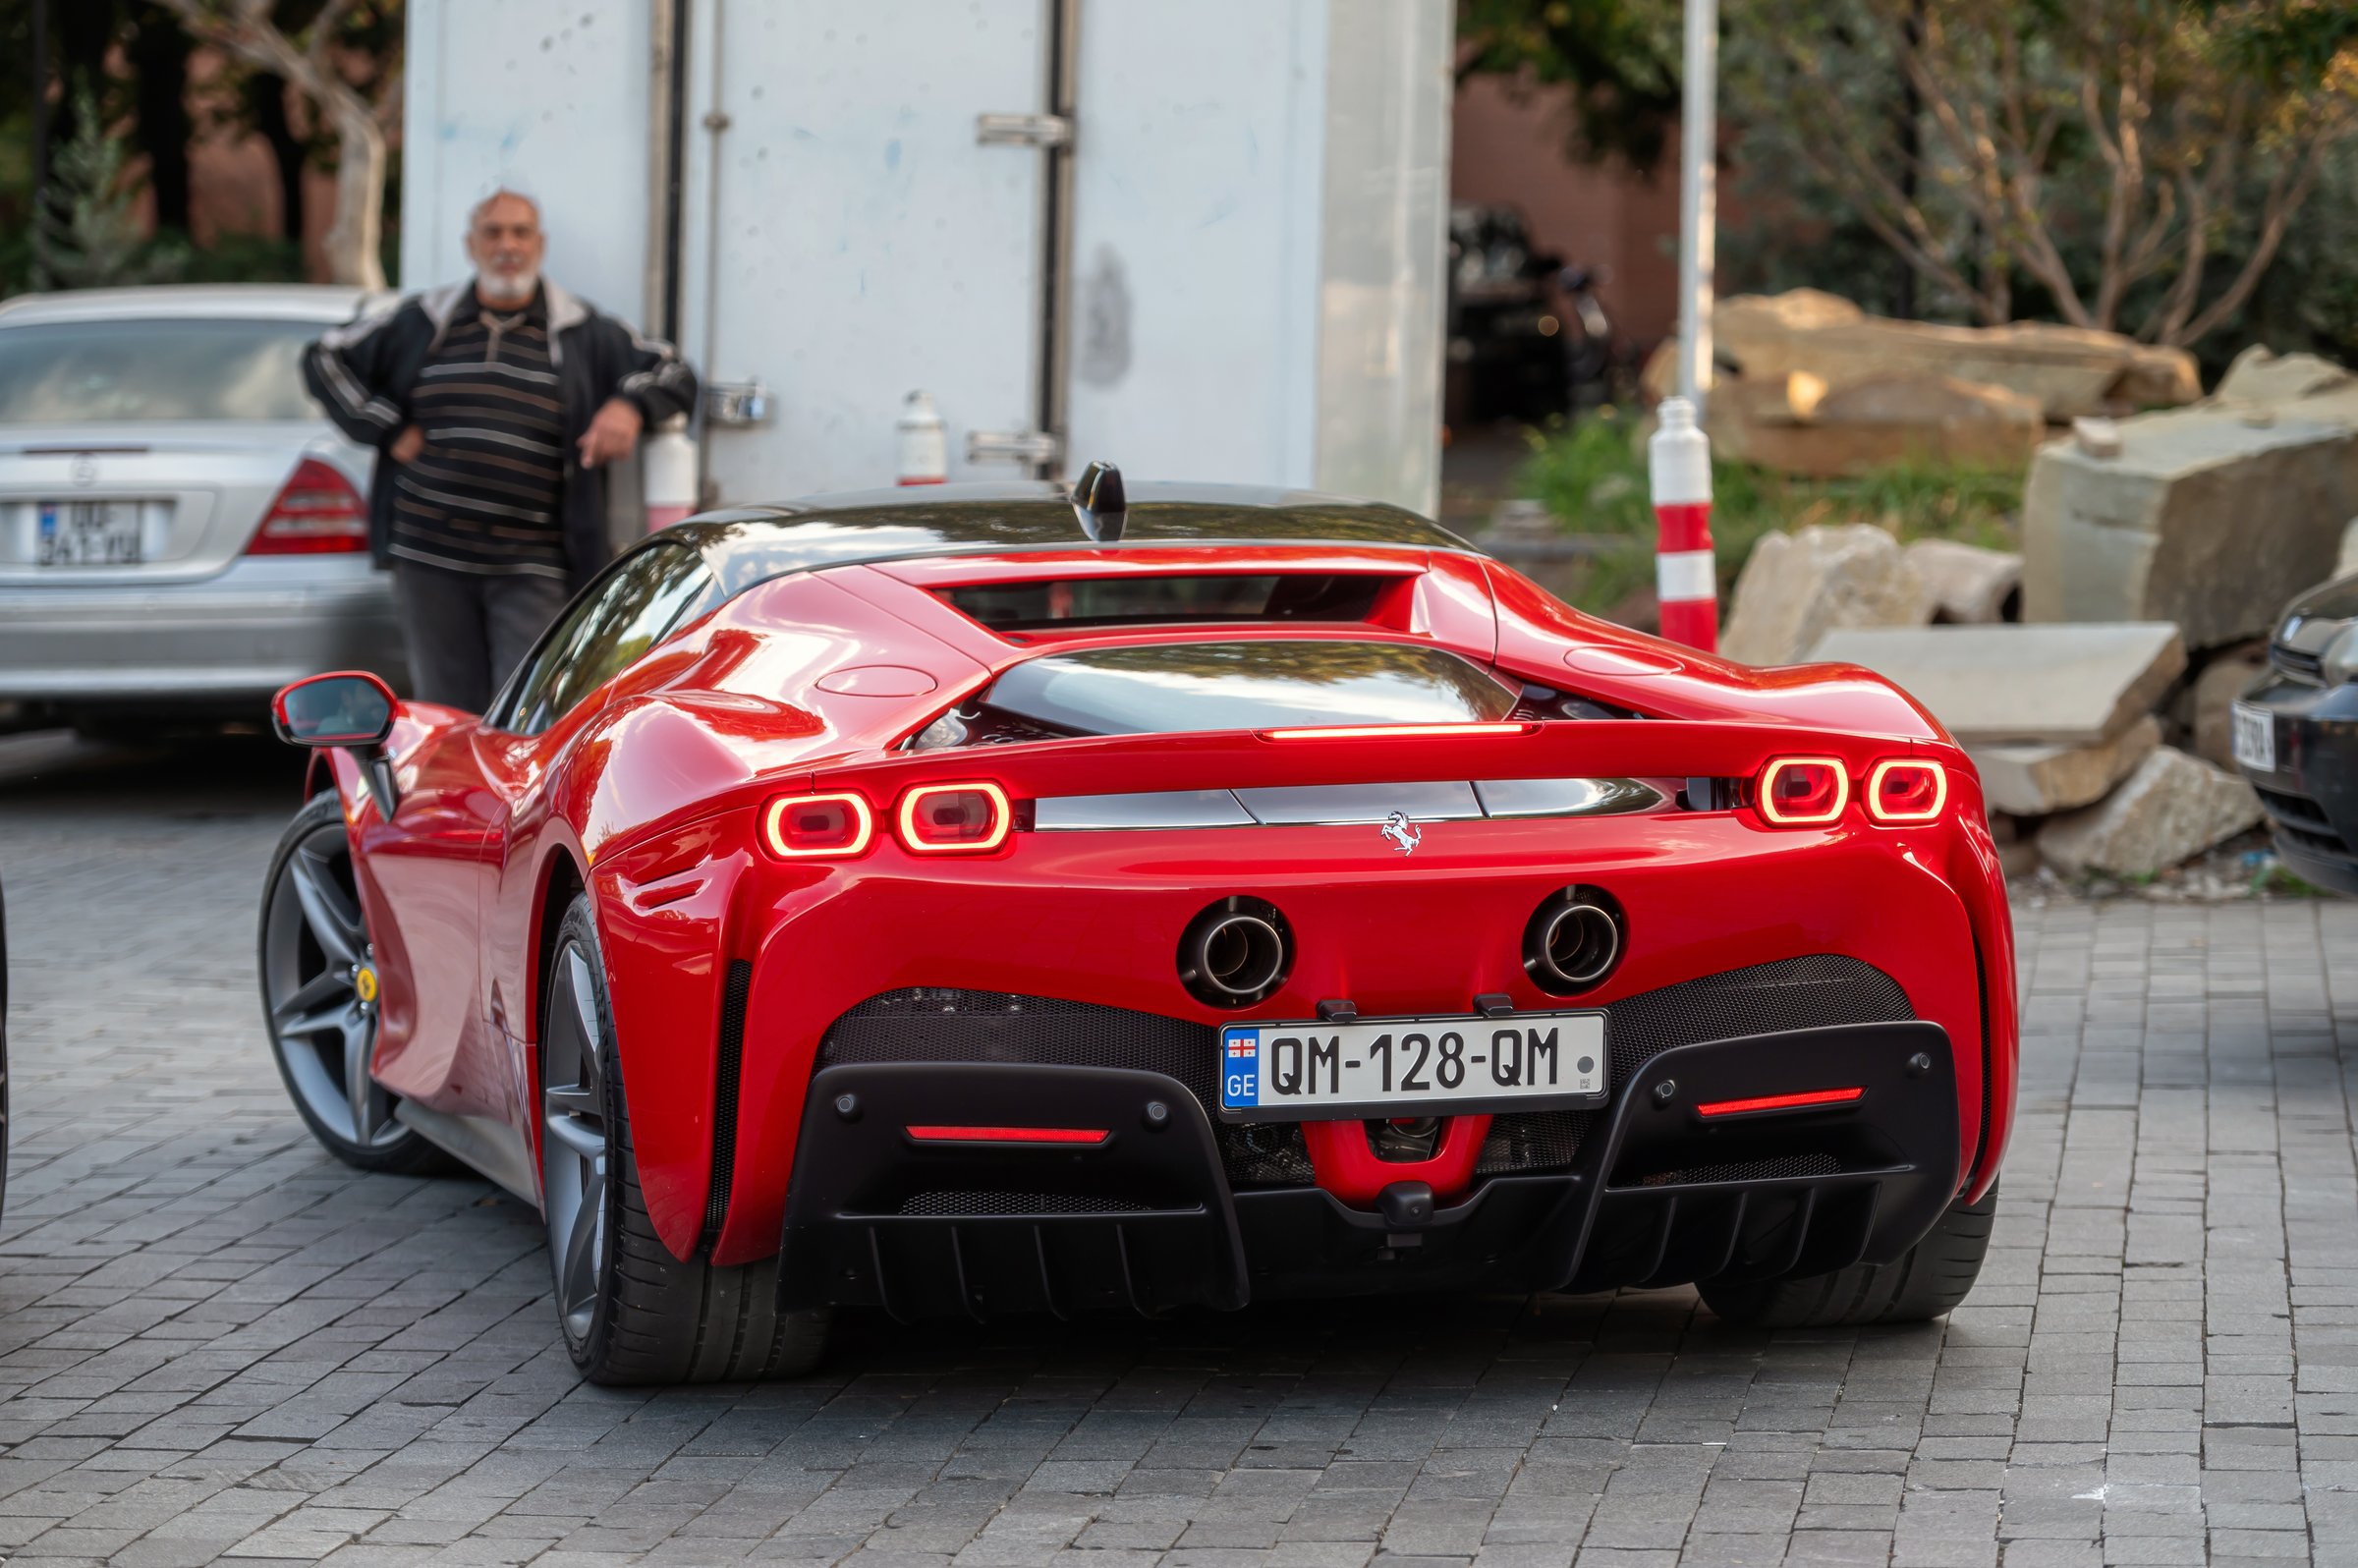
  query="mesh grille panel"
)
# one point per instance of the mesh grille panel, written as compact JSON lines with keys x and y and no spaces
{"x":929,"y":1024}
{"x":961,"y":1206}
{"x":1750,"y":1170}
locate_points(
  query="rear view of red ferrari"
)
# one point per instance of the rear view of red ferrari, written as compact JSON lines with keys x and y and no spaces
{"x":990,"y":901}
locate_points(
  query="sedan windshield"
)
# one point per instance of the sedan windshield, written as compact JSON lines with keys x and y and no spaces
{"x":1247,"y":685}
{"x":128,"y":371}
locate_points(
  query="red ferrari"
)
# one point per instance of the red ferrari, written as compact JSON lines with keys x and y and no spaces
{"x":995,"y":899}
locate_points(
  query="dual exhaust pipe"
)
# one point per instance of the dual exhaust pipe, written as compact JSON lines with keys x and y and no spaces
{"x":1240,"y":950}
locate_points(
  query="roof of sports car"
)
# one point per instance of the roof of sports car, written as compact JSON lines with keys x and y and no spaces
{"x":749,"y":544}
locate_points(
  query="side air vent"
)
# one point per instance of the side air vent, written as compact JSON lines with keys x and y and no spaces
{"x":734,"y":990}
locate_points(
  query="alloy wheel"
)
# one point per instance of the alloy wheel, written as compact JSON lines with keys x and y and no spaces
{"x":573,"y":1144}
{"x":320,"y":982}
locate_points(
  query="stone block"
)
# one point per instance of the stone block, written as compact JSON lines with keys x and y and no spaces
{"x":2035,"y":780}
{"x":2210,"y":517}
{"x":1970,"y":585}
{"x":2172,"y":808}
{"x":2213,"y":694}
{"x":1795,"y":587}
{"x":2022,"y":685}
{"x":2347,"y":561}
{"x":1799,"y":425}
{"x":2065,"y":371}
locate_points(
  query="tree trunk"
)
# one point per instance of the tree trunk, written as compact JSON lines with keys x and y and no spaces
{"x":269,"y":91}
{"x":355,"y":234}
{"x":159,"y":55}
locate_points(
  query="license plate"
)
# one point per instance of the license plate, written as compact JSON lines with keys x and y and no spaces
{"x":1396,"y":1066}
{"x":2255,"y":738}
{"x":88,"y":534}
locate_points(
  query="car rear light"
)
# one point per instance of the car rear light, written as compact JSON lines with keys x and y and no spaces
{"x":1374,"y":732}
{"x":1804,"y":1101}
{"x":801,"y":827}
{"x":1906,"y":790}
{"x":1804,"y":791}
{"x":1009,"y":1135}
{"x":951,"y":818}
{"x":318,"y":511}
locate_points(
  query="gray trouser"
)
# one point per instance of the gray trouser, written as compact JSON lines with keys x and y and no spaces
{"x":466,"y":629}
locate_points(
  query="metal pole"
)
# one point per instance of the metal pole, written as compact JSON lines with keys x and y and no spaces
{"x":1698,"y":200}
{"x":40,"y":115}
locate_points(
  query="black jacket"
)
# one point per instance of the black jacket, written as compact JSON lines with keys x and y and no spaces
{"x":362,"y":374}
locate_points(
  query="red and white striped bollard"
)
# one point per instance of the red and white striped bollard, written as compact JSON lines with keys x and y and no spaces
{"x":1686,"y":581}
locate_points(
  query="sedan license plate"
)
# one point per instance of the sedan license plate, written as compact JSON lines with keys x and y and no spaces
{"x":2255,"y":738}
{"x":88,"y":534}
{"x":1411,"y":1066}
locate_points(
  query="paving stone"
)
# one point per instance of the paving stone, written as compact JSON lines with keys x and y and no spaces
{"x":217,"y":1345}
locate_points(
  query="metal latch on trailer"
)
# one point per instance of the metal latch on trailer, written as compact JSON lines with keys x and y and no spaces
{"x":1012,"y":446}
{"x":1024,"y":129}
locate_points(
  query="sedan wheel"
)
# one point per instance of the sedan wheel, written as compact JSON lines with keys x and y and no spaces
{"x":320,"y":997}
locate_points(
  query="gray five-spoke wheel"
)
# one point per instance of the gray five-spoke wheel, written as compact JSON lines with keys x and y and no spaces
{"x":319,"y":983}
{"x":573,"y":1146}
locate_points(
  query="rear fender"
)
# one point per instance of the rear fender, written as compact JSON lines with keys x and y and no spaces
{"x":666,"y":912}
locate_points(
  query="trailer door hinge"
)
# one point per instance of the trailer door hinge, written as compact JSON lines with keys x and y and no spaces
{"x":1024,"y":129}
{"x":1012,"y":446}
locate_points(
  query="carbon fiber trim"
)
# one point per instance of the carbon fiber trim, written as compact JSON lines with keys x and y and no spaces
{"x":735,"y":991}
{"x":939,"y":1024}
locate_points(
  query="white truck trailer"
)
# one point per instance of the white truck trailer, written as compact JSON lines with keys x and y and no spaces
{"x":1201,"y":238}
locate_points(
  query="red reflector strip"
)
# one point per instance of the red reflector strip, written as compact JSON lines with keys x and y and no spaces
{"x":1009,"y":1135}
{"x":1768,"y":1102}
{"x":1375,"y":732}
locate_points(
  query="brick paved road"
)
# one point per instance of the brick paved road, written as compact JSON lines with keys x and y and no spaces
{"x":215,"y":1342}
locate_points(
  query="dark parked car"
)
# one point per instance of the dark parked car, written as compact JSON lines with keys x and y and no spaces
{"x":2297,"y":735}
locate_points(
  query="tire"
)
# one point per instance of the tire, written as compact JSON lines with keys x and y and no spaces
{"x":1925,"y":1282}
{"x":630,"y":1311}
{"x":313,"y":948}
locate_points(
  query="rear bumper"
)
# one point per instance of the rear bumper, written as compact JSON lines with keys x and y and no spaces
{"x":1658,"y":1195}
{"x":234,"y":637}
{"x":2311,"y":796}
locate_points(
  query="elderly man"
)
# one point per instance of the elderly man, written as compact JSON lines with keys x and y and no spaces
{"x":497,"y":405}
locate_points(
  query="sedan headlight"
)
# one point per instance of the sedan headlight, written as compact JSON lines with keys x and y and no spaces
{"x":2338,"y":663}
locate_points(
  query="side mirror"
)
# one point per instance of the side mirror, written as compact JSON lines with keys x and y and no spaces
{"x":347,"y":708}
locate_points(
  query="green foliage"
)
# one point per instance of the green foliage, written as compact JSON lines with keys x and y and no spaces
{"x":1592,"y":476}
{"x":90,"y":236}
{"x":1618,"y":57}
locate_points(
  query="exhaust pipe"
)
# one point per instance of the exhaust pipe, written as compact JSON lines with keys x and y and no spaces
{"x":1235,"y":952}
{"x":1573,"y":941}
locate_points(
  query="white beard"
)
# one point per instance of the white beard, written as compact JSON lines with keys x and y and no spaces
{"x":508,"y":288}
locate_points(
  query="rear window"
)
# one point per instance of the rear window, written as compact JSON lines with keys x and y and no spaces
{"x":1232,"y":686}
{"x":169,"y":368}
{"x":1147,"y":600}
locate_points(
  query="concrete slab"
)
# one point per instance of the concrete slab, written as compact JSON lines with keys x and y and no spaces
{"x":2035,"y":780}
{"x":2021,"y":685}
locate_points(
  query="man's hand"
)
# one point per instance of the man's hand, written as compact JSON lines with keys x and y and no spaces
{"x":407,"y":445}
{"x":611,"y":433}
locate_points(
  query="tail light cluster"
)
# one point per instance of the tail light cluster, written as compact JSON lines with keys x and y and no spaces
{"x":969,"y":818}
{"x":316,"y":512}
{"x":1815,"y":791}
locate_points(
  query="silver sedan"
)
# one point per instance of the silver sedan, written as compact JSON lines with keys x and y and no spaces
{"x":181,"y":531}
